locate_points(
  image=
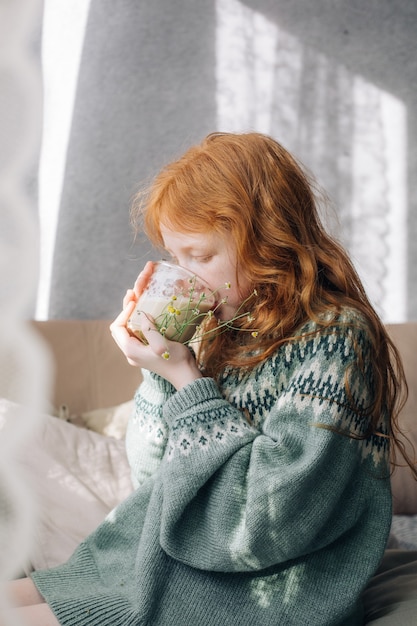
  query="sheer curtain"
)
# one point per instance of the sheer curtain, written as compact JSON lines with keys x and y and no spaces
{"x":349,"y":132}
{"x":24,"y":365}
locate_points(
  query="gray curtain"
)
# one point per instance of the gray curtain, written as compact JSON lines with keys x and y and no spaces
{"x":333,"y":81}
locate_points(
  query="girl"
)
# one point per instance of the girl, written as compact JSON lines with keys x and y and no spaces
{"x":261,"y":457}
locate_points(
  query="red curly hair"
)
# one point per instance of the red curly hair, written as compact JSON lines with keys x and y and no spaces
{"x":249,"y":188}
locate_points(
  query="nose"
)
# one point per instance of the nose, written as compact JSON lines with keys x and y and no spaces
{"x":183,"y":263}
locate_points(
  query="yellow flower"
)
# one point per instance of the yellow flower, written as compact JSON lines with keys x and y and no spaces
{"x":170,"y":309}
{"x":174,"y":298}
{"x":255,"y":333}
{"x":227,"y":285}
{"x":165,"y":355}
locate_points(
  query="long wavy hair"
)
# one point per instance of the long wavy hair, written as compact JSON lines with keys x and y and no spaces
{"x":249,"y":188}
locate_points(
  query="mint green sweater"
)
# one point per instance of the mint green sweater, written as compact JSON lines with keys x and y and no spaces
{"x":276,"y":522}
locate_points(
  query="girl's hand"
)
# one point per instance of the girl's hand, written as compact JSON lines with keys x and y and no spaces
{"x":133,"y":295}
{"x":170,"y":359}
{"x":143,"y":279}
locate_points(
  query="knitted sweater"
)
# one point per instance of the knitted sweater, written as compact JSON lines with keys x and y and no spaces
{"x":276,"y":520}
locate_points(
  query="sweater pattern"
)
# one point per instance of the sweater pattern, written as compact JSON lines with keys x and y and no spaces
{"x":314,"y":370}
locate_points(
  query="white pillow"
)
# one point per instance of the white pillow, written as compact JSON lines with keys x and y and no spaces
{"x":111,"y":421}
{"x":390,"y":598}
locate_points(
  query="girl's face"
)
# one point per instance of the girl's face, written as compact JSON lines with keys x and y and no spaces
{"x":213,"y":258}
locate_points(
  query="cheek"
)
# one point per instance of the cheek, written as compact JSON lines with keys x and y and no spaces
{"x":221,"y":274}
{"x":216,"y":277}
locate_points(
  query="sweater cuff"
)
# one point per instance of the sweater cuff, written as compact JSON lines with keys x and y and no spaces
{"x":157,"y":383}
{"x":190,"y":396}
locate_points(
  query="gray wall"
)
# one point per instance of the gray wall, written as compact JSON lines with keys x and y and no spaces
{"x":145,"y":90}
{"x":148,"y":87}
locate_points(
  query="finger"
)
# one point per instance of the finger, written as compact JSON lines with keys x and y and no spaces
{"x":119,"y":330}
{"x":123,"y":317}
{"x":157,"y":342}
{"x":131,"y":347}
{"x":143,"y":278}
{"x":129,"y":297}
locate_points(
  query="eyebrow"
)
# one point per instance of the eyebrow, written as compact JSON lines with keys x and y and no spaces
{"x":192,"y":248}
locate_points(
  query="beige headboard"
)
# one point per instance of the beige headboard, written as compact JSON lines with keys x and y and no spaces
{"x":403,"y":483}
{"x":90,"y":370}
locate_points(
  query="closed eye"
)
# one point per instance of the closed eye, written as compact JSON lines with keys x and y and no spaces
{"x":204,"y":259}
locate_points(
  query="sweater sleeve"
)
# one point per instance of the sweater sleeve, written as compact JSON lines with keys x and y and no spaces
{"x":238,"y":497}
{"x":146,"y":435}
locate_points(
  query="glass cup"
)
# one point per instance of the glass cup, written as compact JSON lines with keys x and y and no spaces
{"x":176,"y":299}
